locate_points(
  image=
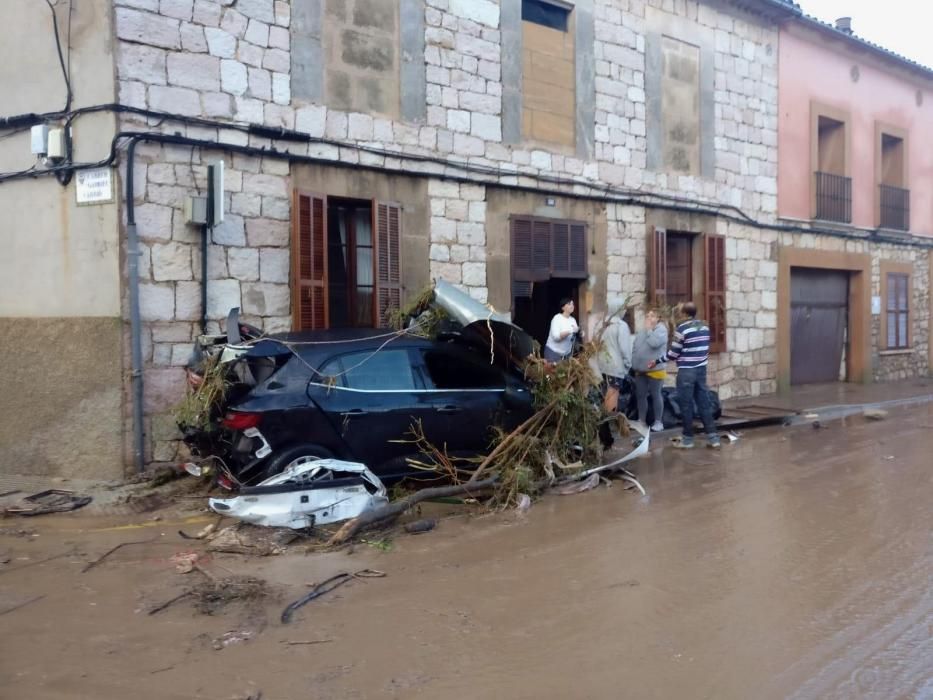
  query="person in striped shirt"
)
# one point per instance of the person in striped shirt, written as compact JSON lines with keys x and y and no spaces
{"x":690,"y":350}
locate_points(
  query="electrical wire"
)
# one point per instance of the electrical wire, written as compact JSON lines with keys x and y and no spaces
{"x":61,"y":57}
{"x":597,"y":191}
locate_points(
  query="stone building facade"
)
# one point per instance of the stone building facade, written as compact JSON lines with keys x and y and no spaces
{"x":670,"y":124}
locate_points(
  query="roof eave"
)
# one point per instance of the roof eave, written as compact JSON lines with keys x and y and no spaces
{"x":864,"y":45}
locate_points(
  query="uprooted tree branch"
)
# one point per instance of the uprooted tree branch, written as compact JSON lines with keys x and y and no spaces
{"x":556,"y":443}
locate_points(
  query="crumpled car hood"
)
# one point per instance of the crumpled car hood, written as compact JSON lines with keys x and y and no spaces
{"x":484,"y":328}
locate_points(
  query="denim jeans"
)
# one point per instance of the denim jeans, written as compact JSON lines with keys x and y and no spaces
{"x":645,"y":385}
{"x":691,"y":385}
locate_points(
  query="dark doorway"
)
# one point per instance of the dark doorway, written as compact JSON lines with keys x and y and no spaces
{"x":350,"y":263}
{"x":819,"y":316}
{"x":533,"y":314}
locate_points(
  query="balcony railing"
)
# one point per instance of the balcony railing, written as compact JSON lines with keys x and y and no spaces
{"x":895,"y":208}
{"x":833,"y":197}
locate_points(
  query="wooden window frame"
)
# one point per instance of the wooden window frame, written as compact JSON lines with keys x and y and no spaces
{"x":881,"y":130}
{"x":714,"y":281}
{"x":545,"y":249}
{"x":887,"y":268}
{"x":309,"y":288}
{"x":565,"y":7}
{"x":817,"y":110}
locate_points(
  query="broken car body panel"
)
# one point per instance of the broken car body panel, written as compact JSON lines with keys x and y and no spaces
{"x":304,"y":495}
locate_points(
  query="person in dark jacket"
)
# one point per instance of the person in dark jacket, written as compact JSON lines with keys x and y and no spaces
{"x":649,"y":344}
{"x":690,"y":350}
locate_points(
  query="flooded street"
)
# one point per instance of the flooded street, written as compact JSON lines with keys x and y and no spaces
{"x":796,"y":563}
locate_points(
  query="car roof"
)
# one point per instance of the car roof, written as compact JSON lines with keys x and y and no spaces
{"x":320,"y":345}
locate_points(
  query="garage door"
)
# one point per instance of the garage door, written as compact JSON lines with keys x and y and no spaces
{"x":819,"y":311}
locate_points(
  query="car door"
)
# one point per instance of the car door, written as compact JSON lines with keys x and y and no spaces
{"x":467,"y":399}
{"x":373,"y":402}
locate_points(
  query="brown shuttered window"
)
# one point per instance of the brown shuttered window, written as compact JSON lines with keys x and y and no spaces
{"x":309,"y":262}
{"x":715,"y":289}
{"x":388,"y":269}
{"x":657,"y":266}
{"x":545,"y":248}
{"x":520,"y":257}
{"x":568,"y":250}
{"x":898,"y":311}
{"x":578,"y":257}
{"x":540,"y":249}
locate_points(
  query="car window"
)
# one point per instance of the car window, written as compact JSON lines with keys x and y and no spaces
{"x":449,"y":370}
{"x":386,"y":370}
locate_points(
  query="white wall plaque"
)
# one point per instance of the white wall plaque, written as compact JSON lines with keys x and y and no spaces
{"x":876,"y":306}
{"x":94,"y":186}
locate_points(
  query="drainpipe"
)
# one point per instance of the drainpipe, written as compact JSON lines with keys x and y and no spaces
{"x":205,"y":232}
{"x":136,"y":347}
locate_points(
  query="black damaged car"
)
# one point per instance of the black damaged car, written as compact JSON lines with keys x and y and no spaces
{"x":355,"y":395}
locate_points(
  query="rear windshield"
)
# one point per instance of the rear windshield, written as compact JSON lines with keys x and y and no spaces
{"x":386,"y":370}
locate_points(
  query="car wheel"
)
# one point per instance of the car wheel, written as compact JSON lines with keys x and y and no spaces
{"x":290,"y":456}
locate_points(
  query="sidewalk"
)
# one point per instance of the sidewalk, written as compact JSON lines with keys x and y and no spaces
{"x":816,"y":396}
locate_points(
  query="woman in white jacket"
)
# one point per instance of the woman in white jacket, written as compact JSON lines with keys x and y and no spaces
{"x":564,"y":327}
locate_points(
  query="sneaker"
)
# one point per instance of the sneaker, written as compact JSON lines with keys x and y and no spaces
{"x":684,"y":444}
{"x":658,"y":426}
{"x":712,"y":441}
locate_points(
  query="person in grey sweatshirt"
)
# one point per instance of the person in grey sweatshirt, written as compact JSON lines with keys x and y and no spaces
{"x":615,"y":360}
{"x":649,"y":344}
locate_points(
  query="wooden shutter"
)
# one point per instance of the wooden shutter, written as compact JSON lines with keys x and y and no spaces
{"x":657,"y":265}
{"x":578,"y":257}
{"x":560,"y":249}
{"x":309,"y":262}
{"x":540,"y":249}
{"x":714,"y":288}
{"x":388,"y":274}
{"x":568,"y":250}
{"x":520,"y":257}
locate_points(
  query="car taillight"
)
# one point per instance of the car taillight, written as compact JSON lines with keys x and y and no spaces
{"x":241,"y":421}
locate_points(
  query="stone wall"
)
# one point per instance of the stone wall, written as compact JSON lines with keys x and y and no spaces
{"x":232,"y":61}
{"x":226,"y":61}
{"x":458,"y":235}
{"x":914,"y":362}
{"x":361,"y":55}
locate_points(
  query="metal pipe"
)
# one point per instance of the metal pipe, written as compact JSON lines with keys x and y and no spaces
{"x":136,"y":347}
{"x":205,"y":232}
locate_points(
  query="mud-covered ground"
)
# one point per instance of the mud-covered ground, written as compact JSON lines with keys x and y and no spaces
{"x":795,"y":563}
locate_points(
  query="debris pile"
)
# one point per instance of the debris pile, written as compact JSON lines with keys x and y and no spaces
{"x":213,"y":595}
{"x":562,"y":441}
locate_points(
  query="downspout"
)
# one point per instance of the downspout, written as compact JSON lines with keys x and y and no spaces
{"x":205,"y":232}
{"x":136,"y":347}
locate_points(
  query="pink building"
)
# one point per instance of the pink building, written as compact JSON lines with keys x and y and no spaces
{"x":855,"y":136}
{"x":855,"y":185}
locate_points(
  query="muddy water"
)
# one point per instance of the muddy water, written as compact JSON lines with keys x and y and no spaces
{"x":796,"y":563}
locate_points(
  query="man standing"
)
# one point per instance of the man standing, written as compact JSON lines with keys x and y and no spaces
{"x":691,"y":351}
